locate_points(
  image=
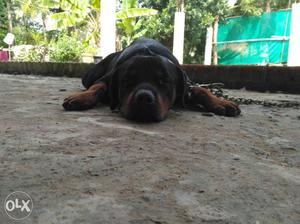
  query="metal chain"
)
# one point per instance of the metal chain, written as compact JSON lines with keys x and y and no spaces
{"x":216,"y":89}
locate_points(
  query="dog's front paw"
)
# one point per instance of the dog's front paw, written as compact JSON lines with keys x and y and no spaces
{"x":80,"y":101}
{"x":224,"y":108}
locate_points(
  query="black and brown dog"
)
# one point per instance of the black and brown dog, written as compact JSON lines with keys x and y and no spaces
{"x":144,"y":81}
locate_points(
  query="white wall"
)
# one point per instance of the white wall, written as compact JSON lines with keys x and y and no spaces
{"x":294,"y":45}
{"x":108,"y":27}
{"x":208,"y":46}
{"x":178,"y":41}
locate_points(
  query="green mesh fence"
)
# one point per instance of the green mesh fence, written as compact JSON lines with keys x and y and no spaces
{"x":254,"y":40}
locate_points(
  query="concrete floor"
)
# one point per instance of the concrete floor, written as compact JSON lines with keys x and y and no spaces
{"x":96,"y":167}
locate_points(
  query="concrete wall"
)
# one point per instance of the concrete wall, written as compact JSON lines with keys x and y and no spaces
{"x":45,"y":68}
{"x":261,"y":78}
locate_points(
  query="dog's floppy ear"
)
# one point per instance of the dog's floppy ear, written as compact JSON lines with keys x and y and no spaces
{"x":98,"y":70}
{"x":182,"y":86}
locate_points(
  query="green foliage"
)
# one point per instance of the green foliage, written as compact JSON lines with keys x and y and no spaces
{"x":67,"y":15}
{"x":3,"y":22}
{"x":151,"y":18}
{"x":129,"y":23}
{"x":199,"y":15}
{"x":160,"y":26}
{"x":256,"y":8}
{"x":196,"y":23}
{"x":27,"y":35}
{"x":67,"y":48}
{"x":247,"y":7}
{"x":70,"y":13}
{"x":77,"y":14}
{"x":36,"y":54}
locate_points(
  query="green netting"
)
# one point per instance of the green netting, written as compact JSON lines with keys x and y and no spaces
{"x":254,"y":40}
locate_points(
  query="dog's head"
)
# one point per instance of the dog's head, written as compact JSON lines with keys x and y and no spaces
{"x":144,"y":88}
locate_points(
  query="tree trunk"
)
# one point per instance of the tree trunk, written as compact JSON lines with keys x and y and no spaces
{"x":289,"y":4}
{"x":179,"y":5}
{"x":44,"y":27}
{"x":178,"y":36}
{"x":9,"y":17}
{"x":268,"y":6}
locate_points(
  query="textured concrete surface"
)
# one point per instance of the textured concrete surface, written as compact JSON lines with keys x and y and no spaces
{"x":96,"y":167}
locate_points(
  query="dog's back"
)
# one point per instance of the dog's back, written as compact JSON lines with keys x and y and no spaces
{"x":146,"y":47}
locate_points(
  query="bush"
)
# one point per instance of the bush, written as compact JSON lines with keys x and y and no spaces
{"x":30,"y":53}
{"x":27,"y":36}
{"x":66,"y":49}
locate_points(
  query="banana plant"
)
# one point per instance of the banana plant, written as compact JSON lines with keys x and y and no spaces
{"x":77,"y":13}
{"x":128,"y":20}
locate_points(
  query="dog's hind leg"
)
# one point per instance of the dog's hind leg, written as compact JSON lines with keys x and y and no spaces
{"x":212,"y":103}
{"x":86,"y":99}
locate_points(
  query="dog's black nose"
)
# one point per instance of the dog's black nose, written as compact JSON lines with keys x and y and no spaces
{"x":144,"y":96}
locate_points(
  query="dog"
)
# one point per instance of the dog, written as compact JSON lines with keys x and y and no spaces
{"x":143,"y":82}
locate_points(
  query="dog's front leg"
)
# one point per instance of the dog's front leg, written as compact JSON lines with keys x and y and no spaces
{"x":86,"y":99}
{"x":212,"y":103}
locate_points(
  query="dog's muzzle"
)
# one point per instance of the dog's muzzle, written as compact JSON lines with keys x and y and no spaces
{"x":144,"y":97}
{"x":143,"y":105}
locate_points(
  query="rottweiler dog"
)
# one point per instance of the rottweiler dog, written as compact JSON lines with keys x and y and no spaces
{"x":143,"y":82}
